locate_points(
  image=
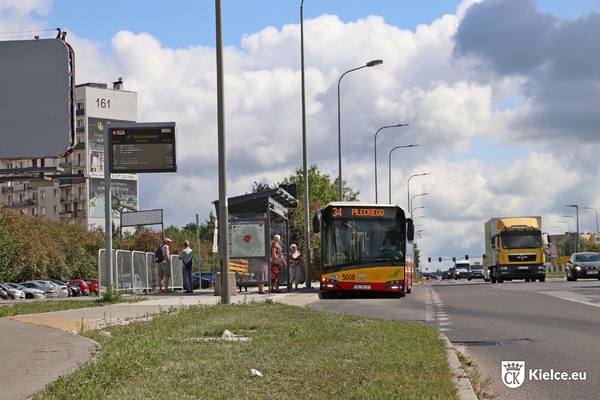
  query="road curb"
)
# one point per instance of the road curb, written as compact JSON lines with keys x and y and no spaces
{"x":461,"y":379}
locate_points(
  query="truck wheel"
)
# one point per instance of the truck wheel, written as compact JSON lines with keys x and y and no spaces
{"x":469,"y":279}
{"x":500,"y":280}
{"x":527,"y":279}
{"x":493,"y":279}
{"x":543,"y":279}
{"x":403,"y":294}
{"x":569,"y":278}
{"x":574,"y":278}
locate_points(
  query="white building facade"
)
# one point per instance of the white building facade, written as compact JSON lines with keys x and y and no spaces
{"x":79,"y":197}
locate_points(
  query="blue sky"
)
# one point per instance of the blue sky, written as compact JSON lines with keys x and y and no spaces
{"x":183,"y":23}
{"x":500,"y":95}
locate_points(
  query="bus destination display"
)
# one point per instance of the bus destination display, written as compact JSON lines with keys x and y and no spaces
{"x":366,"y":212}
{"x":143,"y":148}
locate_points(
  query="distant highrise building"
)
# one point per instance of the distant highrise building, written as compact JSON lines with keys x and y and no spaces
{"x":79,"y":197}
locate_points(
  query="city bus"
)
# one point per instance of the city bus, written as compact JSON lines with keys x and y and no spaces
{"x":365,"y":248}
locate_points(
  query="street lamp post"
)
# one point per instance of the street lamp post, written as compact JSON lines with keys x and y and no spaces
{"x":389,"y":172}
{"x":597,"y":230}
{"x":411,"y":201}
{"x":375,"y":146}
{"x":408,"y":189}
{"x":416,"y":208}
{"x":577,"y":214}
{"x":562,"y":231}
{"x":577,"y":246}
{"x":570,"y":235}
{"x":369,"y":64}
{"x":304,"y":156}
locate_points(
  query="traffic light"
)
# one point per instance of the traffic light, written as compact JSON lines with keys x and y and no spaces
{"x":428,"y":259}
{"x":453,"y":259}
{"x":467,"y":257}
{"x":440,"y":259}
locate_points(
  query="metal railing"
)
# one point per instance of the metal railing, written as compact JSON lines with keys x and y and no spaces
{"x":135,"y":271}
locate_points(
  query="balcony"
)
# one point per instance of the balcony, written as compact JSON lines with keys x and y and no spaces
{"x":19,"y":187}
{"x":66,"y":215}
{"x":80,"y":145}
{"x":79,"y":112}
{"x":7,"y":189}
{"x":80,"y":214}
{"x":66,"y":198}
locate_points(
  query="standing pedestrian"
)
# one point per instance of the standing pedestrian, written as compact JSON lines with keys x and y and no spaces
{"x":164,"y":266}
{"x":277,"y":262}
{"x":187,"y":257}
{"x":295,"y":266}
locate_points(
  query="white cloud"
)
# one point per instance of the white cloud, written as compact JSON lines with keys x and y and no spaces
{"x":500,"y":135}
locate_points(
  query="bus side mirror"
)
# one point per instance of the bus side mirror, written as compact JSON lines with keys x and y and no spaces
{"x":410,"y":230}
{"x":317,"y":222}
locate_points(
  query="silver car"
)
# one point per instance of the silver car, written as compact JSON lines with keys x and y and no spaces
{"x":45,"y":286}
{"x":62,"y":290}
{"x":29,"y":292}
{"x":13,"y":293}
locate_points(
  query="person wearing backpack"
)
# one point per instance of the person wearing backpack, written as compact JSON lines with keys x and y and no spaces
{"x":187,"y":256}
{"x":162,"y":259}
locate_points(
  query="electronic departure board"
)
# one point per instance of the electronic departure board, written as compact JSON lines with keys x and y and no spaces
{"x":142,"y":147}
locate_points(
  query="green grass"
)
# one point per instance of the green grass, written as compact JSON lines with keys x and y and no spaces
{"x":555,"y":274}
{"x":41,"y":306}
{"x":302,"y":354}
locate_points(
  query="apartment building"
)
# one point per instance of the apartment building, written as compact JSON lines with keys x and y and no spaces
{"x":79,"y":197}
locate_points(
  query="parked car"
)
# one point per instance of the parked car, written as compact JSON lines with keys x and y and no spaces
{"x":208,"y":279}
{"x":3,"y":295}
{"x":29,"y":292}
{"x":81,"y":284}
{"x":72,"y":290}
{"x":62,"y":288}
{"x":583,"y":265}
{"x":477,"y":271}
{"x":12,"y":292}
{"x":93,"y":284}
{"x":45,"y":286}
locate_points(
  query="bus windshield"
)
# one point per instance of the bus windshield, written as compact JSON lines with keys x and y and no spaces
{"x":359,"y":241}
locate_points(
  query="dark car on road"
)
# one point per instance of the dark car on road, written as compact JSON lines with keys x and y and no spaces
{"x":583,"y":265}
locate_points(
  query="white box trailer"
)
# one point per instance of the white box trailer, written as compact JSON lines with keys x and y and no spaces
{"x":514,"y":249}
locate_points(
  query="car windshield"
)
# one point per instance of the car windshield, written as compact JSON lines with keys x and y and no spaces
{"x":587,"y":257}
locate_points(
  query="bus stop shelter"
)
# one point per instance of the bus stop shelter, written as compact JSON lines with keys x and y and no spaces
{"x":254,"y":219}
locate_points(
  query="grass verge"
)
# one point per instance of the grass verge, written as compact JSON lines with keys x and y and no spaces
{"x":42,"y":306}
{"x":301,"y":353}
{"x":482,"y":386}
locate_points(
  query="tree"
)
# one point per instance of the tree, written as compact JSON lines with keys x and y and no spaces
{"x":321,"y":192}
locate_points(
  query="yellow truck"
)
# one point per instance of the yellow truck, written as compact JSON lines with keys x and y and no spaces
{"x":514,"y":249}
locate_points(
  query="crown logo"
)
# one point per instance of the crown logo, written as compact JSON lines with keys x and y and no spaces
{"x":512,"y":366}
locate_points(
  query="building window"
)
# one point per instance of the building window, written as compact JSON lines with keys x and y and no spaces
{"x":33,"y":212}
{"x":79,"y":105}
{"x":43,"y":194}
{"x":43,"y":210}
{"x":55,"y":192}
{"x":55,"y":210}
{"x":80,"y":122}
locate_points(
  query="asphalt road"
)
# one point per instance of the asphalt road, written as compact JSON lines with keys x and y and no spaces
{"x":553,"y":327}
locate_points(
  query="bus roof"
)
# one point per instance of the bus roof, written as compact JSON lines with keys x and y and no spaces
{"x":362,"y":204}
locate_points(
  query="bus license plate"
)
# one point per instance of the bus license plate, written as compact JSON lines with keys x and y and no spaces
{"x":362,"y":287}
